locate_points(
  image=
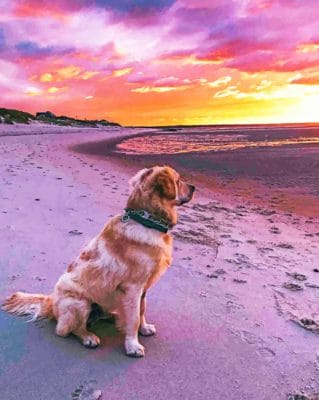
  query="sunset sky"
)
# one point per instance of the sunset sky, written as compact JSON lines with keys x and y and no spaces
{"x":162,"y":62}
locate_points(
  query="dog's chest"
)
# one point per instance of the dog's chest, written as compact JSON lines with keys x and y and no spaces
{"x":159,"y":264}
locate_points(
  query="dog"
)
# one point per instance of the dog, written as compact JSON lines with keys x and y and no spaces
{"x":117,"y":267}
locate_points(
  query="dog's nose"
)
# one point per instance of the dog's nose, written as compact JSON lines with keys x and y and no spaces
{"x":191,"y":188}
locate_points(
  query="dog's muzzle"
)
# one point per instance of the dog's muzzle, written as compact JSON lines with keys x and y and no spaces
{"x":191,"y":190}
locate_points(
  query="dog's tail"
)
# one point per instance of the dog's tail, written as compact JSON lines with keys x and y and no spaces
{"x":36,"y":305}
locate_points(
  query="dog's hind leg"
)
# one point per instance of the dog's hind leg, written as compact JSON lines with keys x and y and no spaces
{"x":72,"y":315}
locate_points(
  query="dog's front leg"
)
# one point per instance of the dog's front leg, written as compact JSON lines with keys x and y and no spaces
{"x":145,"y":329}
{"x":131,"y":311}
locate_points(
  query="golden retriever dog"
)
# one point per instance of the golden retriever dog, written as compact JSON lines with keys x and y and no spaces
{"x":117,"y":267}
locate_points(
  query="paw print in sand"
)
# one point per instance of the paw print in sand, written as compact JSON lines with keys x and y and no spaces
{"x":87,"y":391}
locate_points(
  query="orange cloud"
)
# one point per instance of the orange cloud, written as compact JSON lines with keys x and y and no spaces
{"x":46,"y":77}
{"x":219,"y":82}
{"x":312,"y":79}
{"x":32,"y":91}
{"x":122,"y":72}
{"x":308,"y":48}
{"x":158,"y":89}
{"x":68,"y":72}
{"x":88,"y":75}
{"x":55,"y":89}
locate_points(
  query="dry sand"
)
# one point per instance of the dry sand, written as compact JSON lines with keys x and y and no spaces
{"x":229,"y":324}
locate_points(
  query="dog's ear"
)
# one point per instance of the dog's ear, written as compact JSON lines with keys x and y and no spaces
{"x":146,"y":174}
{"x":140,"y":176}
{"x":164,"y":184}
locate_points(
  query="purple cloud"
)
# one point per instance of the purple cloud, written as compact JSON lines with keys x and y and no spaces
{"x":2,"y":39}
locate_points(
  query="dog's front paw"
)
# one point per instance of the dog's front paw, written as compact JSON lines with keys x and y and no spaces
{"x":134,"y":348}
{"x":91,"y":341}
{"x":147,"y":330}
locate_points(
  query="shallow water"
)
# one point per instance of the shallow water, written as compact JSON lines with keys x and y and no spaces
{"x":205,"y":139}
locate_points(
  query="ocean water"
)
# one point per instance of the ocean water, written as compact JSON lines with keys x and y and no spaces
{"x":218,"y":139}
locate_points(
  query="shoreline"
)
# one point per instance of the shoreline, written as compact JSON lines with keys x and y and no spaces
{"x":221,"y":306}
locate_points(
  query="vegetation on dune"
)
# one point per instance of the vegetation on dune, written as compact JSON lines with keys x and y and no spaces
{"x":8,"y":116}
{"x":68,"y":121}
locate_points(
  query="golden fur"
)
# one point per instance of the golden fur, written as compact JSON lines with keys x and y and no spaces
{"x":116,"y":268}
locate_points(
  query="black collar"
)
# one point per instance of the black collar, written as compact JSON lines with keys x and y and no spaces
{"x":145,"y":218}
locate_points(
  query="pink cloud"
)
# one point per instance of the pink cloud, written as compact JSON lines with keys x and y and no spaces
{"x":277,"y":62}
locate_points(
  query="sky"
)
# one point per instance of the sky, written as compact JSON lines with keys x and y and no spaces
{"x":164,"y":62}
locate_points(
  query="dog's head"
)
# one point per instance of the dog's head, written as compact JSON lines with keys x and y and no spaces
{"x":158,"y":190}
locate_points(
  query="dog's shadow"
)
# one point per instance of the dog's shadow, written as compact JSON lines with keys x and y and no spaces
{"x":101,"y":323}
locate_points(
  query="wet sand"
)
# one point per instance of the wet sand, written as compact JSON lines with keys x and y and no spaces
{"x":236,"y":313}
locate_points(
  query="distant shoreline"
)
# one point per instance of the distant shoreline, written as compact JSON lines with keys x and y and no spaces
{"x":281,"y":124}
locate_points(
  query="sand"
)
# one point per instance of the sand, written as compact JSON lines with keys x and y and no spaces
{"x":230,"y":324}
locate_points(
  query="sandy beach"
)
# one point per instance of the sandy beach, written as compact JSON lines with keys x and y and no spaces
{"x":237,"y":313}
